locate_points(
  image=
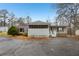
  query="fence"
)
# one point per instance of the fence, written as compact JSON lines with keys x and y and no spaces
{"x":3,"y":29}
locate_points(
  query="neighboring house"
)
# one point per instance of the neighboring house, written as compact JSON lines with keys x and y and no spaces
{"x":3,"y":28}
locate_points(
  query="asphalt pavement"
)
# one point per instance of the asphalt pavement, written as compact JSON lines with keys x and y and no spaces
{"x":51,"y":47}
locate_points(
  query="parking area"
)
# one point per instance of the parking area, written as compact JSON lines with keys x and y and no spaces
{"x":50,"y":47}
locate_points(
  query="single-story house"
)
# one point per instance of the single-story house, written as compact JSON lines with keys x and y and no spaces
{"x":45,"y":29}
{"x":39,"y":29}
{"x":42,"y":29}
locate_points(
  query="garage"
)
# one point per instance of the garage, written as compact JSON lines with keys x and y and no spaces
{"x":38,"y":29}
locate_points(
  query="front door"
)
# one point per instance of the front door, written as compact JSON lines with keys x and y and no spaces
{"x":53,"y":33}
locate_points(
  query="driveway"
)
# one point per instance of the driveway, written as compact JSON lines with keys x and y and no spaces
{"x":51,"y":47}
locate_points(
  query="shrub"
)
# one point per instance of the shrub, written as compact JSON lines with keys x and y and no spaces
{"x":13,"y":31}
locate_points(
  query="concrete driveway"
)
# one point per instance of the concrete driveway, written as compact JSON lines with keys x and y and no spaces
{"x":51,"y":47}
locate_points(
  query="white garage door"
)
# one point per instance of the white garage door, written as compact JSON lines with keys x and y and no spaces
{"x":38,"y":32}
{"x":77,"y":32}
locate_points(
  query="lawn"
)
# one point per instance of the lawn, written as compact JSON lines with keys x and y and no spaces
{"x":22,"y":37}
{"x":4,"y":34}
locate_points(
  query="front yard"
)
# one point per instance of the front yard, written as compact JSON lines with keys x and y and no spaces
{"x":3,"y":34}
{"x":21,"y":37}
{"x":21,"y":46}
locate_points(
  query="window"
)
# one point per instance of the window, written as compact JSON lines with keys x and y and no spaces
{"x":60,"y":29}
{"x":38,"y":26}
{"x":21,"y":29}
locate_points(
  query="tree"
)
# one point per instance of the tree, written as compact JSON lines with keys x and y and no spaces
{"x":13,"y":31}
{"x":3,"y":14}
{"x":68,"y":13}
{"x":11,"y":19}
{"x":48,"y":20}
{"x":28,"y":19}
{"x":20,"y":20}
{"x":1,"y":22}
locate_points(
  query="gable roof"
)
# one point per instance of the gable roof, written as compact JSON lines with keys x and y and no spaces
{"x":24,"y":24}
{"x":38,"y":23}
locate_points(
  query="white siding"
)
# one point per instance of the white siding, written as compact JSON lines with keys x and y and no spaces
{"x":4,"y":29}
{"x":53,"y":33}
{"x":77,"y":32}
{"x":38,"y":32}
{"x":64,"y":31}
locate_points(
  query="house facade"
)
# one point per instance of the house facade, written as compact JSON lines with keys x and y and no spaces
{"x":44,"y":29}
{"x":23,"y":28}
{"x":38,"y":29}
{"x":58,"y":30}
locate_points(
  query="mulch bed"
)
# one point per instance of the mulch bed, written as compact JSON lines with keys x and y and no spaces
{"x":73,"y":37}
{"x":38,"y":38}
{"x":19,"y":37}
{"x":28,"y":38}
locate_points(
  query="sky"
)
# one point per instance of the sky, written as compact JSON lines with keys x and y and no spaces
{"x":37,"y":11}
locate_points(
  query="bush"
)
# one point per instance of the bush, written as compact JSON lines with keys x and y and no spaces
{"x":13,"y":31}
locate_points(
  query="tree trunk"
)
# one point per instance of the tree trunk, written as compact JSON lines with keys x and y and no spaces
{"x":4,"y":22}
{"x":4,"y":19}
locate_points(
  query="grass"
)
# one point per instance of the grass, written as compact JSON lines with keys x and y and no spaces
{"x":38,"y":38}
{"x":3,"y":34}
{"x":19,"y":37}
{"x":75,"y":37}
{"x":22,"y":37}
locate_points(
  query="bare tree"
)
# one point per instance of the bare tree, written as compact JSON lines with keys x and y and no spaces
{"x":11,"y":19}
{"x":69,"y":13}
{"x":28,"y":18}
{"x":20,"y":20}
{"x":3,"y":14}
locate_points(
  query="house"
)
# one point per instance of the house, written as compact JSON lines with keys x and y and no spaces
{"x":45,"y":29}
{"x":39,"y":29}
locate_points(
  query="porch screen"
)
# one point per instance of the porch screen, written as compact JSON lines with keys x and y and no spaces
{"x":38,"y":26}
